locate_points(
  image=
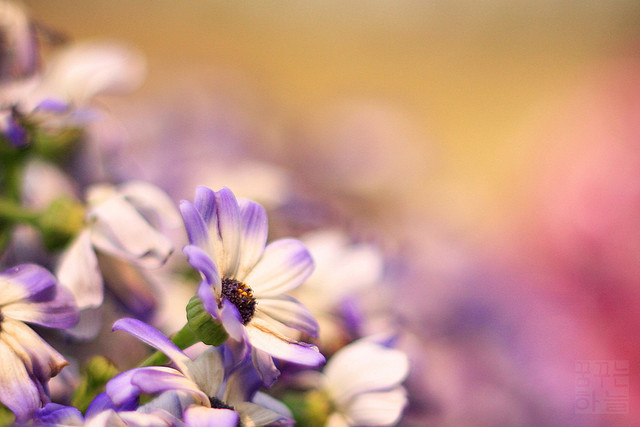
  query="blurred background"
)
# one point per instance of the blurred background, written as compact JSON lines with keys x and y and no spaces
{"x":492,"y":147}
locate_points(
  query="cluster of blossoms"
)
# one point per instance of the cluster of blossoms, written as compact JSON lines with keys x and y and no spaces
{"x":76,"y":252}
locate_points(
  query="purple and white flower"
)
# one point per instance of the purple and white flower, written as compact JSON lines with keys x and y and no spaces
{"x":131,"y":223}
{"x":244,"y":281}
{"x":205,"y":393}
{"x":29,"y":293}
{"x":362,"y":384}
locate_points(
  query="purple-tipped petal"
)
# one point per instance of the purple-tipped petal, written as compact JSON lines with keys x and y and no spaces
{"x":156,"y":381}
{"x":205,"y":293}
{"x":100,"y":403}
{"x":255,"y":228}
{"x":56,"y":414}
{"x":265,"y":338}
{"x":202,"y":262}
{"x":201,"y":416}
{"x":121,"y":390}
{"x":42,"y":360}
{"x":265,"y":367}
{"x":205,"y":203}
{"x":195,"y":225}
{"x":17,"y":390}
{"x":27,"y":282}
{"x":232,"y":321}
{"x":60,"y":312}
{"x":291,"y":313}
{"x":285,"y":264}
{"x":154,"y":338}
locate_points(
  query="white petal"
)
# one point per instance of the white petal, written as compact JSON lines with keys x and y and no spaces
{"x":254,"y":236}
{"x":201,"y":416}
{"x":265,"y":338}
{"x":78,"y":271}
{"x":229,"y":228}
{"x":289,"y":312}
{"x":207,"y":371}
{"x":362,"y":367}
{"x":337,"y":420}
{"x":156,"y":205}
{"x":380,"y":409}
{"x":256,"y":415}
{"x":120,"y":230}
{"x":285,"y":264}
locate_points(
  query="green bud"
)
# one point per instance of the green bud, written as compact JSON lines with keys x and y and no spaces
{"x":206,"y":328}
{"x":309,"y":409}
{"x":61,"y":221}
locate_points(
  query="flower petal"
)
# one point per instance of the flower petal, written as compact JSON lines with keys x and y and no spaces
{"x":120,"y":230}
{"x":155,"y":381}
{"x":380,"y":409}
{"x":201,"y":416}
{"x":205,"y":265}
{"x":60,"y":312}
{"x":78,"y":270}
{"x":56,"y":414}
{"x":207,"y":371}
{"x":255,"y":228}
{"x":17,"y":390}
{"x":154,"y":338}
{"x":256,"y":415}
{"x":121,"y":390}
{"x":265,"y":367}
{"x":364,"y":367}
{"x":40,"y":359}
{"x":229,"y":227}
{"x":156,"y":205}
{"x":26,"y":282}
{"x":196,"y":226}
{"x":291,"y":313}
{"x":285,"y":264}
{"x":265,"y":338}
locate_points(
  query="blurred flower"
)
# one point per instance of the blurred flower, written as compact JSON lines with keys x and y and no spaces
{"x":360,"y":385}
{"x":130,"y":223}
{"x":29,"y":293}
{"x":19,"y":53}
{"x":228,"y":247}
{"x":344,"y":274}
{"x":216,"y":397}
{"x":58,"y":97}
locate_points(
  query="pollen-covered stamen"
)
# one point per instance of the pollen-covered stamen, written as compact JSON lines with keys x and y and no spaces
{"x":240,"y":295}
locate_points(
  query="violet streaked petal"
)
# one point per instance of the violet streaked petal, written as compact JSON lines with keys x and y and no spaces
{"x":60,"y":312}
{"x":154,"y":338}
{"x":265,"y":367}
{"x":289,"y":312}
{"x":26,"y":282}
{"x":230,"y":317}
{"x":201,"y":416}
{"x":52,"y":105}
{"x":56,"y":414}
{"x":205,"y":204}
{"x":121,"y":390}
{"x":255,"y":228}
{"x":100,"y":403}
{"x":285,"y":264}
{"x":195,"y":225}
{"x":263,"y":337}
{"x":41,"y":360}
{"x":202,"y":262}
{"x":155,"y":381}
{"x":17,"y":390}
{"x":78,"y":270}
{"x":229,"y":227}
{"x":205,"y":293}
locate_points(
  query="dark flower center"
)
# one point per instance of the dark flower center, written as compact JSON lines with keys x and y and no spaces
{"x":219,"y":404}
{"x":240,"y":295}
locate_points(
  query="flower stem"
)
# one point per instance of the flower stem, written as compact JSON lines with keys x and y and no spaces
{"x":12,"y":212}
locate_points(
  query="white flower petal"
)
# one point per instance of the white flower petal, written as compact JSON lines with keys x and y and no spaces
{"x":229,"y":227}
{"x":285,"y":264}
{"x":263,"y":337}
{"x":78,"y":271}
{"x":156,"y":205}
{"x":118,"y":229}
{"x":337,"y":420}
{"x":255,"y":229}
{"x":380,"y":409}
{"x":201,"y":416}
{"x":363,"y":367}
{"x":256,"y":415}
{"x":207,"y":371}
{"x":289,"y":312}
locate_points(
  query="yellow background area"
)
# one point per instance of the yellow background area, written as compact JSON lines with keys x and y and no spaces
{"x":476,"y":78}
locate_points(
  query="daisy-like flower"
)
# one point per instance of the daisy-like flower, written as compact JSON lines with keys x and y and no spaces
{"x":245,"y":281}
{"x":29,"y":293}
{"x":205,"y":394}
{"x":360,"y":386}
{"x":129,"y":223}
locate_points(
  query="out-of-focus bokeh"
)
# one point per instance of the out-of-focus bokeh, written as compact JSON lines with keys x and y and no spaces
{"x":493,"y":147}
